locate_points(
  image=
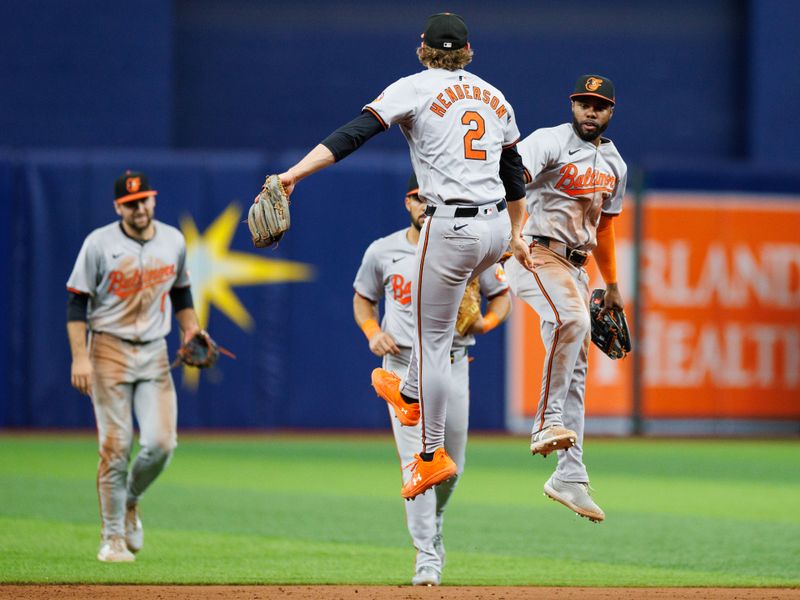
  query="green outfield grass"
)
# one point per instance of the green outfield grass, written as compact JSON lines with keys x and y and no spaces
{"x":302,"y":509}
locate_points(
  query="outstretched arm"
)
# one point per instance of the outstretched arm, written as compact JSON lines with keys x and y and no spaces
{"x":342,"y":142}
{"x":316,"y":160}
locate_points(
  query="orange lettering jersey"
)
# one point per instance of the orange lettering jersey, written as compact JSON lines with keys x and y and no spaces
{"x":456,"y":126}
{"x":129,"y":281}
{"x":387,"y":271}
{"x":569,"y":182}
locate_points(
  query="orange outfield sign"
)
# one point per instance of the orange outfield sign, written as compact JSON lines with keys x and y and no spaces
{"x":721,"y":292}
{"x":720,"y":331}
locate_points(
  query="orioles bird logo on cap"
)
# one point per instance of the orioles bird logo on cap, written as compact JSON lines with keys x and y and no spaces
{"x":593,"y":83}
{"x":132,"y":184}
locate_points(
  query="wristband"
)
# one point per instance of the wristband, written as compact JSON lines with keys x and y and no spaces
{"x":490,"y":321}
{"x":370,"y":328}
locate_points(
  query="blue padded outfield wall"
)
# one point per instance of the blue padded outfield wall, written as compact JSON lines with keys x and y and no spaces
{"x":302,"y":362}
{"x":207,"y":97}
{"x":695,"y":79}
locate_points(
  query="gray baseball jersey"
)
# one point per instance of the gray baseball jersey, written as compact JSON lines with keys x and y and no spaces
{"x":388,"y":271}
{"x":455,"y":124}
{"x":569,"y":183}
{"x":129,"y":281}
{"x":129,"y":315}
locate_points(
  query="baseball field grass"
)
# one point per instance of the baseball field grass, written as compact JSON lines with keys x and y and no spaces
{"x":282,"y":509}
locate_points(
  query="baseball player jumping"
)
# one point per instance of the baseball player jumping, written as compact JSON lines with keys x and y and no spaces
{"x":461,"y":134}
{"x":388,"y":271}
{"x":128,"y":277}
{"x":575,"y":185}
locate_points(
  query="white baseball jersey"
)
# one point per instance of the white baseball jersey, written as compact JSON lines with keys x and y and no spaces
{"x":455,"y":124}
{"x":569,"y":182}
{"x":388,"y":270}
{"x":129,"y":281}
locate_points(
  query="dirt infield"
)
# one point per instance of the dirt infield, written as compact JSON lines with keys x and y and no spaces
{"x":344,"y":592}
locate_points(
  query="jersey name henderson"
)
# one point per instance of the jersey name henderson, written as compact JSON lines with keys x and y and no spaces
{"x":456,"y":125}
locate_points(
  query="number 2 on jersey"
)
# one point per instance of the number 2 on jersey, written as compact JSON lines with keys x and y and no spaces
{"x":470,"y":118}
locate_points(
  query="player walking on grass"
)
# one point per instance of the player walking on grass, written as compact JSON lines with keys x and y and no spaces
{"x":461,"y":134}
{"x":575,"y":185}
{"x":388,"y":271}
{"x":128,"y":277}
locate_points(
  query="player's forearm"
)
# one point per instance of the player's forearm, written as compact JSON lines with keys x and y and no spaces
{"x":316,"y":160}
{"x":500,"y":306}
{"x":605,"y":252}
{"x":516,"y":212}
{"x":187,"y":321}
{"x":76,"y":332}
{"x":365,"y":313}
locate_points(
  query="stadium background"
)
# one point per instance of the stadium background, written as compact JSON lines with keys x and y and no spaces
{"x":209,"y":97}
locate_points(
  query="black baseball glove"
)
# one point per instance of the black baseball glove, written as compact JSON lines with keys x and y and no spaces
{"x":610,"y":332}
{"x":200,"y":351}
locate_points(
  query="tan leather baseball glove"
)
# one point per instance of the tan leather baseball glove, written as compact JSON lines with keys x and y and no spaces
{"x":268,"y":218}
{"x":470,"y":308}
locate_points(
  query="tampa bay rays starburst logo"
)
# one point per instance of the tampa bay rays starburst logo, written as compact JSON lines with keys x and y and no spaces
{"x":214,"y":270}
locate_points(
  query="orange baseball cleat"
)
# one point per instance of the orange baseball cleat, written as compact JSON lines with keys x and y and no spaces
{"x":426,"y":474}
{"x":387,"y":385}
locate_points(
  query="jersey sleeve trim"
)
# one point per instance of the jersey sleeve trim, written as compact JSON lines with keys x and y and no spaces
{"x":512,"y":144}
{"x":377,"y":116}
{"x":502,"y":292}
{"x":77,"y":291}
{"x":527,"y":175}
{"x":367,"y":298}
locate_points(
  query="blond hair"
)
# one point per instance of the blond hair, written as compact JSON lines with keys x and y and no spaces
{"x":452,"y":60}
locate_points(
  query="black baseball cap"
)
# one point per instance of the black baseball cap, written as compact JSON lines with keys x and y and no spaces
{"x":413,"y":187}
{"x":132,"y":185}
{"x":594,"y":85}
{"x":445,"y":31}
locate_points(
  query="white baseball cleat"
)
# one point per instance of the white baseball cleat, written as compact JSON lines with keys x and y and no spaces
{"x":113,"y":549}
{"x":551,"y":439}
{"x":134,"y":533}
{"x":574,"y":496}
{"x":426,"y":575}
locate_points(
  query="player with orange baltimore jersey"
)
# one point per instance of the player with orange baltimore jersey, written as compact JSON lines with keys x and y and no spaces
{"x":127,"y":279}
{"x":576,"y":181}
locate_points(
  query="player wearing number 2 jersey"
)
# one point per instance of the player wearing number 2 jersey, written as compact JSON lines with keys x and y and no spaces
{"x":461,"y":134}
{"x":387,"y":272}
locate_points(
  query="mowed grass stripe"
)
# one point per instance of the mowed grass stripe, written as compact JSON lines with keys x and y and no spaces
{"x":327,"y":510}
{"x":278,"y":560}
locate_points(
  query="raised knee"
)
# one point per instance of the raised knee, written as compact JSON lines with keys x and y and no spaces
{"x":576,"y":326}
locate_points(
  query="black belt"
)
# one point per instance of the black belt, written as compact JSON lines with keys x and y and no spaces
{"x":573,"y":255}
{"x":132,"y":342}
{"x":467,"y":211}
